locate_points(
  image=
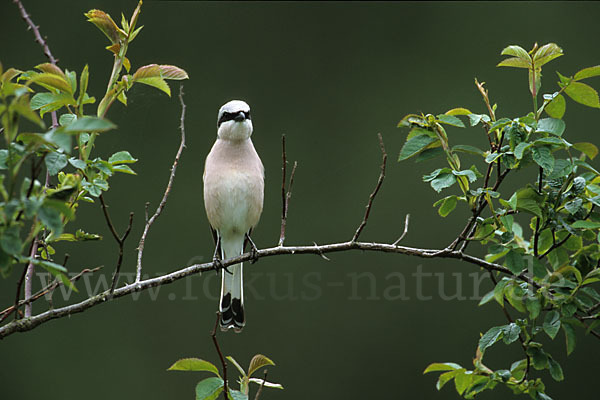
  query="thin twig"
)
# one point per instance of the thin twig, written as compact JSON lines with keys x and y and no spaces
{"x":29,"y":277}
{"x":406,"y":221}
{"x":260,"y":388}
{"x":213,"y":334}
{"x":285,"y":195}
{"x":36,"y":31}
{"x":163,"y":202}
{"x":374,"y":193}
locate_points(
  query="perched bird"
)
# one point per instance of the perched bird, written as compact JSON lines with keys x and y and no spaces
{"x":233,"y":198}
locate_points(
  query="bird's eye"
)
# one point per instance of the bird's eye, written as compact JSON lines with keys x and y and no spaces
{"x":247,"y":114}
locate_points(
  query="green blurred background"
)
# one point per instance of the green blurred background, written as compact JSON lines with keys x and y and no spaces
{"x":330,"y":76}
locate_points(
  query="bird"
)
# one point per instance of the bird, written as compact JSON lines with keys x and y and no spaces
{"x":233,"y":198}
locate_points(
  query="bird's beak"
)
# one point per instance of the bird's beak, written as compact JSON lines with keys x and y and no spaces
{"x":240,"y":117}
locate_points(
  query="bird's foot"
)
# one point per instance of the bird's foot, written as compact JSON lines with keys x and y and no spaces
{"x":253,"y":250}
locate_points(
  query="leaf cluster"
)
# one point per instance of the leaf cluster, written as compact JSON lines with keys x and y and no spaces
{"x":211,"y":388}
{"x":546,"y":233}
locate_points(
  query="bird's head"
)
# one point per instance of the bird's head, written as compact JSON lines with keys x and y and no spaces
{"x":233,"y":122}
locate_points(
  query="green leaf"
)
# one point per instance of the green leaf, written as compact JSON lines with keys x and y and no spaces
{"x":516,"y":51}
{"x":514,"y":261}
{"x":589,"y":149}
{"x":429,"y":153}
{"x":581,"y":224}
{"x":543,"y":157}
{"x":584,"y":94}
{"x":450,"y":120}
{"x":445,"y":377}
{"x":520,"y":149}
{"x":447,"y":204}
{"x":470,"y":174}
{"x":52,"y":80}
{"x":67,"y":119}
{"x":527,"y":200}
{"x":447,"y":366}
{"x":474,"y":119}
{"x":209,"y":388}
{"x":257,"y":362}
{"x":194,"y":364}
{"x":557,"y":107}
{"x":515,"y":62}
{"x":489,"y":296}
{"x":587,"y":73}
{"x":121,"y":157}
{"x":534,"y":306}
{"x":414,"y":146}
{"x":551,"y":125}
{"x":156,"y":82}
{"x":90,"y":124}
{"x":546,"y":53}
{"x":538,"y":357}
{"x":123,"y":168}
{"x":10,"y":240}
{"x":237,"y":395}
{"x":551,"y":323}
{"x":555,"y":370}
{"x":569,"y":337}
{"x":77,"y":163}
{"x":511,"y":333}
{"x":490,"y":337}
{"x":443,"y":181}
{"x":463,"y":381}
{"x":238,"y":366}
{"x":465,"y":148}
{"x":55,"y":162}
{"x":50,"y":217}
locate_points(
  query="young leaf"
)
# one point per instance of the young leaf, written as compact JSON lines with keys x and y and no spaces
{"x":105,"y":23}
{"x":517,"y":51}
{"x":546,"y":53}
{"x":209,"y":388}
{"x":55,"y":162}
{"x":458,"y":111}
{"x":257,"y":362}
{"x":121,"y":157}
{"x":238,"y":366}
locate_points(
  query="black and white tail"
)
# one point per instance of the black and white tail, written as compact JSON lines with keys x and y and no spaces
{"x":231,"y":304}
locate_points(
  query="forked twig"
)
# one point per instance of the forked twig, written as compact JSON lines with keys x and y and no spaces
{"x":374,"y":193}
{"x":163,"y":202}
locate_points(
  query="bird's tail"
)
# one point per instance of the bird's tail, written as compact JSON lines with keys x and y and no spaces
{"x":231,"y":304}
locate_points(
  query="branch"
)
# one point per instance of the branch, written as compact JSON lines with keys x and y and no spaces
{"x":28,"y":324}
{"x":213,"y":334}
{"x":285,"y":195}
{"x":372,"y":196}
{"x":163,"y":202}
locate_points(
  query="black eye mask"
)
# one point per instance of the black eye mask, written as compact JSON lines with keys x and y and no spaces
{"x":229,"y":116}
